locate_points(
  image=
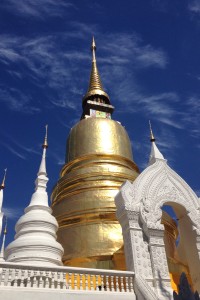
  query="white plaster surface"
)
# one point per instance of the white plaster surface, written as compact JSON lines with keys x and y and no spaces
{"x":33,"y":294}
{"x":155,"y":154}
{"x":139,"y":211}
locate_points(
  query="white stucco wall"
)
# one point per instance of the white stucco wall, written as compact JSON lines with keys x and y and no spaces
{"x":33,"y":294}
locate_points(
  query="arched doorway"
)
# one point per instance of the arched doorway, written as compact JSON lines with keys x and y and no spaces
{"x":180,"y":244}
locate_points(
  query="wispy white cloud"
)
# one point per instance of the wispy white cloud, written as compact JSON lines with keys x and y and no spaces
{"x":12,"y":213}
{"x":17,"y":148}
{"x":13,"y":150}
{"x":171,"y":122}
{"x":191,"y":115}
{"x":9,"y":55}
{"x":81,"y":30}
{"x":57,"y":157}
{"x":17,"y":101}
{"x":160,"y":107}
{"x":38,"y":8}
{"x":48,"y":62}
{"x":130,"y":48}
{"x":64,"y":103}
{"x":25,"y":149}
{"x":62,"y":70}
{"x":167,"y":143}
{"x":194,"y":6}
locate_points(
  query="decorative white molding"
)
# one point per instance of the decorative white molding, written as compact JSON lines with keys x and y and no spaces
{"x":139,"y":213}
{"x":142,"y":288}
{"x":155,"y":186}
{"x":68,"y":278}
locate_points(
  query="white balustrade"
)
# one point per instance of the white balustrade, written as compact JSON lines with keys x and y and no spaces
{"x":14,"y":275}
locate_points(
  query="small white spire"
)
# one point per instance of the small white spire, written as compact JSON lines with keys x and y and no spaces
{"x":2,"y":186}
{"x":3,"y":242}
{"x":42,"y":169}
{"x":155,"y":152}
{"x":40,"y":196}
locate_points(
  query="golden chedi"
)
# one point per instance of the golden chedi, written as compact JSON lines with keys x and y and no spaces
{"x":98,"y":161}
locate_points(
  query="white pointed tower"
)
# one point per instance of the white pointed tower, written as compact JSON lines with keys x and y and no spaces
{"x":2,"y":252}
{"x":35,"y":240}
{"x":2,"y":186}
{"x":155,"y":152}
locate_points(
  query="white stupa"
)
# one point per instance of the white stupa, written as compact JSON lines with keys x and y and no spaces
{"x":35,"y":240}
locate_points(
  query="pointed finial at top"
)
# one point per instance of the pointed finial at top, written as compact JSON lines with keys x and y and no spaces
{"x":93,"y":47}
{"x":45,"y":145}
{"x":152,"y":138}
{"x":95,"y":88}
{"x":2,"y":186}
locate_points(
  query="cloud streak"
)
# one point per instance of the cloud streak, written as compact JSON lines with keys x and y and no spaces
{"x":49,"y":65}
{"x":129,"y":48}
{"x":13,"y":151}
{"x":12,"y":213}
{"x":192,"y":115}
{"x":48,"y":62}
{"x":194,"y":6}
{"x":17,"y":101}
{"x":17,"y":148}
{"x":38,"y":8}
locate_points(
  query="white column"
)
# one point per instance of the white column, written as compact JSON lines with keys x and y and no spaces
{"x":159,"y":263}
{"x":136,"y":246}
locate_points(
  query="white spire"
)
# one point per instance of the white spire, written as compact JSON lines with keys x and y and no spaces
{"x":3,"y":242}
{"x":155,"y":152}
{"x":42,"y":169}
{"x":40,"y":196}
{"x":35,"y":240}
{"x":2,"y":186}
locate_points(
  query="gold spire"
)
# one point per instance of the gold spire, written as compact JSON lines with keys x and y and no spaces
{"x":95,"y":86}
{"x":45,"y":145}
{"x":93,"y":49}
{"x":95,"y":81}
{"x":152,"y":138}
{"x":2,"y":186}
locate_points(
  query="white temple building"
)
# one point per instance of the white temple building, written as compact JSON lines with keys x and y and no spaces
{"x":33,"y":261}
{"x":31,"y":266}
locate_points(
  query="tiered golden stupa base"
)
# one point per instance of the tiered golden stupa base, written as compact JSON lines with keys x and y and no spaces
{"x":99,"y":161}
{"x":85,"y":210}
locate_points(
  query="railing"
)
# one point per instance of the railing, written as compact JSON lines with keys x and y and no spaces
{"x":145,"y":290}
{"x":13,"y":275}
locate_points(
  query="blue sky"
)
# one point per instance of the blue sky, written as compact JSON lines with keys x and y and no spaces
{"x":148,"y":58}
